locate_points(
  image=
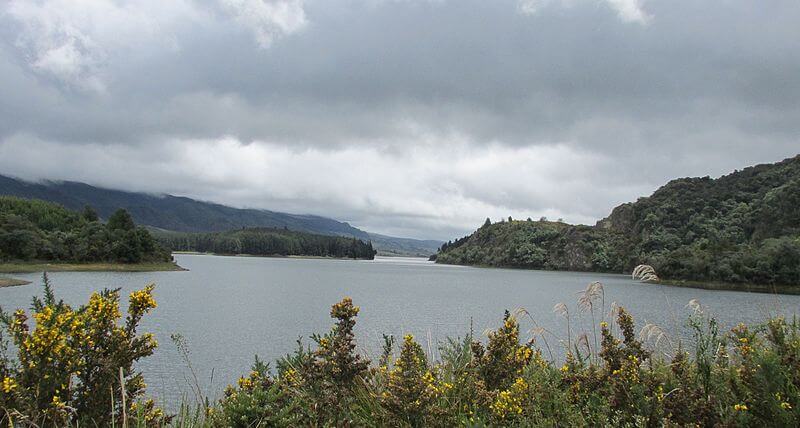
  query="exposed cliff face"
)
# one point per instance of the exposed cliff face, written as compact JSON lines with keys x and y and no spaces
{"x":621,"y":220}
{"x":742,"y":227}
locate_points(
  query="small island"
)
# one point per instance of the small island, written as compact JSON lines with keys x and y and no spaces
{"x":37,"y":236}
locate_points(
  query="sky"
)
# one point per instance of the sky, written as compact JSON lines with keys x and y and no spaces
{"x":416,"y":118}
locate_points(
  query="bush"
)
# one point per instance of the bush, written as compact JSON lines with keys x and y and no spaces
{"x":76,"y":365}
{"x":747,"y":377}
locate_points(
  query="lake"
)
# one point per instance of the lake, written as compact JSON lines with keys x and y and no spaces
{"x":231,"y":308}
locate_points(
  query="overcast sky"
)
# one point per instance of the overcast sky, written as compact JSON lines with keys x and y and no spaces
{"x":415,"y":118}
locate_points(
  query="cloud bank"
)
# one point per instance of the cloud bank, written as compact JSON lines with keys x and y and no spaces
{"x":415,"y":117}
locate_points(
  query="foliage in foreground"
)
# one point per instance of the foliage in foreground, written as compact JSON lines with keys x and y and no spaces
{"x":75,"y":365}
{"x":612,"y":375}
{"x":747,"y":377}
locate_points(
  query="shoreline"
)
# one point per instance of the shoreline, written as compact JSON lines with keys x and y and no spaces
{"x":267,"y":256}
{"x":725,"y":286}
{"x":12,"y":282}
{"x":33,"y":267}
{"x":711,"y":286}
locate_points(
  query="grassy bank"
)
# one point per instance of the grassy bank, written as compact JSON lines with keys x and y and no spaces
{"x":30,"y":267}
{"x":11,"y":282}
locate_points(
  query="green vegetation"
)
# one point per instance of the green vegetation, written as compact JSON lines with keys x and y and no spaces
{"x":38,"y":231}
{"x":268,"y":242}
{"x":74,"y":367}
{"x":533,"y":245}
{"x":741,"y":228}
{"x":167,"y":212}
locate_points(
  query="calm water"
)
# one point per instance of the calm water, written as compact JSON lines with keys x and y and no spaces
{"x":231,"y":308}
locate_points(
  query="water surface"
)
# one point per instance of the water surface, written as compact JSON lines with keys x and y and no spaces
{"x":231,"y":308}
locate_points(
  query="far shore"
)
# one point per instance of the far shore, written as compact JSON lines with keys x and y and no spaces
{"x":725,"y":286}
{"x":269,"y":256}
{"x":719,"y":286}
{"x":31,"y":267}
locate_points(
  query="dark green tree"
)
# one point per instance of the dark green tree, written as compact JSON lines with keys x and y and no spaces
{"x":89,"y":214}
{"x":120,"y":220}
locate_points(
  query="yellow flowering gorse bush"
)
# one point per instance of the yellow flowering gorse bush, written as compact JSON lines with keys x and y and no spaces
{"x":68,"y":362}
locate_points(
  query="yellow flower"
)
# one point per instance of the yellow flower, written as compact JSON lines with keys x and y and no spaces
{"x":786,"y":406}
{"x":509,"y":402}
{"x":9,"y":385}
{"x":142,"y":300}
{"x":740,"y":407}
{"x":245,"y":383}
{"x":523,"y":354}
{"x":58,"y":403}
{"x":291,"y":376}
{"x":564,"y":368}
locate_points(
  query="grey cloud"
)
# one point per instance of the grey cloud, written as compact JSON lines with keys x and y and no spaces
{"x":696,"y":88}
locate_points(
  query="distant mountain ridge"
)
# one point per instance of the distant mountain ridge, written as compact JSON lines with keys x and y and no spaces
{"x":182,"y":214}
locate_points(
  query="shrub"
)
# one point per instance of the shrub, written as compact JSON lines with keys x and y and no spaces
{"x":76,"y":365}
{"x":747,"y":377}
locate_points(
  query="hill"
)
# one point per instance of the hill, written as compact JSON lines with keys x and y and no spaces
{"x":743,"y":227}
{"x":181,"y":214}
{"x":32,"y":230}
{"x":268,"y":242}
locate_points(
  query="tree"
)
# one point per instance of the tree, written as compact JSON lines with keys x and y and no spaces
{"x":487,"y":223}
{"x":89,"y":214}
{"x":120,"y":220}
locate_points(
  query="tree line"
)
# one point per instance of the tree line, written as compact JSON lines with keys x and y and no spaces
{"x":34,"y":230}
{"x":268,"y":242}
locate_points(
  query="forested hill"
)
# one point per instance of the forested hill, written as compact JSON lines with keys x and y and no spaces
{"x":171,"y":212}
{"x":741,"y":228}
{"x":182,"y":214}
{"x":32,"y":230}
{"x":268,"y":242}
